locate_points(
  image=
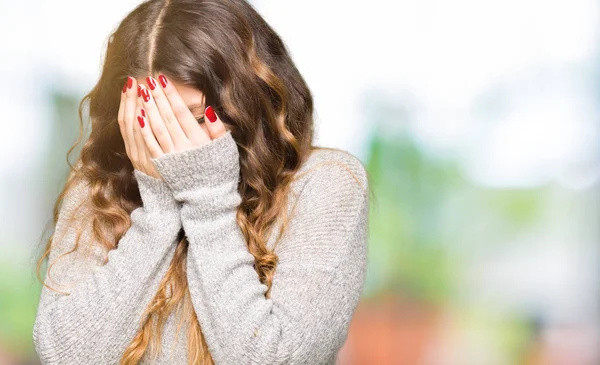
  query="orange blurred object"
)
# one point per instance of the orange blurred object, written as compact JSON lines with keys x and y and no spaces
{"x":389,"y":330}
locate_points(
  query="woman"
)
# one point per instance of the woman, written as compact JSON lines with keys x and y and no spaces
{"x":200,"y":225}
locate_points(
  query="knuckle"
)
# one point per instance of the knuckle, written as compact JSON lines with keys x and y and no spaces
{"x":152,"y":153}
{"x":168,"y":92}
{"x":170,"y":118}
{"x":144,"y":132}
{"x":179,"y":109}
{"x":220,"y":133}
{"x":158,"y":96}
{"x":159,"y":132}
{"x":147,"y":132}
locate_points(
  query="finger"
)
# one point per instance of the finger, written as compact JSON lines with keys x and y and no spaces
{"x":120,"y":118}
{"x":215,"y":126}
{"x":151,"y":167}
{"x":149,"y":139}
{"x":157,"y":125}
{"x":129,"y":116}
{"x":178,"y":137}
{"x":186,"y":119}
{"x":139,"y":141}
{"x":137,"y":129}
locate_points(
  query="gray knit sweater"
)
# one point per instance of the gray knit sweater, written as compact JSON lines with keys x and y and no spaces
{"x":316,"y":287}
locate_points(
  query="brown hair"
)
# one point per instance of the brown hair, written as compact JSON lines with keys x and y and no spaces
{"x":225,"y":49}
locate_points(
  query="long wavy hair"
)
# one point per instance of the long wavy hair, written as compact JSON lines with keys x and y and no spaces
{"x":225,"y":49}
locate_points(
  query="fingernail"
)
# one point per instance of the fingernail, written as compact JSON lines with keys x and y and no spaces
{"x":150,"y":81}
{"x":143,"y":112}
{"x":163,"y":80}
{"x":124,"y":87}
{"x":129,"y":82}
{"x":141,"y":121}
{"x":145,"y":94}
{"x":210,"y":114}
{"x":139,"y":90}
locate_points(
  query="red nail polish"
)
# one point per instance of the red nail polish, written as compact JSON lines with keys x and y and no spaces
{"x":146,"y":94}
{"x":124,"y":87}
{"x":141,"y":121}
{"x":151,"y":83}
{"x":129,"y":82}
{"x":143,"y":112}
{"x":163,"y":80}
{"x":139,"y":90}
{"x":210,"y":114}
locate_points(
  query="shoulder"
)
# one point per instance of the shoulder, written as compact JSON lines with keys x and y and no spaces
{"x":333,"y":169}
{"x":76,"y":197}
{"x":335,"y":183}
{"x":74,"y":231}
{"x":75,"y":205}
{"x":328,"y":211}
{"x":74,"y":251}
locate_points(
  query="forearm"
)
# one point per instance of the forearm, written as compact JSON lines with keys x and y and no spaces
{"x":317,"y":281}
{"x":307,"y":319}
{"x":225,"y":289}
{"x":102,"y":313}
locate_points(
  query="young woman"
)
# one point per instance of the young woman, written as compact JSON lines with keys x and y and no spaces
{"x":199,"y":224}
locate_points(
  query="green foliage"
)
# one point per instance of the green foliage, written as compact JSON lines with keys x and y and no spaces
{"x":20,"y":294}
{"x":425,"y":216}
{"x":406,"y":242}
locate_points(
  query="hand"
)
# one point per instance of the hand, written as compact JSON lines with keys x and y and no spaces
{"x":168,"y":125}
{"x":135,"y":146}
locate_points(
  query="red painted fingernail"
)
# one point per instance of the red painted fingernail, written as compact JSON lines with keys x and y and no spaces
{"x":145,"y":94}
{"x":163,"y":80}
{"x":141,"y":121}
{"x":150,"y":81}
{"x":139,"y":90}
{"x":143,"y":112}
{"x":210,"y":114}
{"x":124,"y":87}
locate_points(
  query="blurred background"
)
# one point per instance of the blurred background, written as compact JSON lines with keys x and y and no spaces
{"x":478,"y":122}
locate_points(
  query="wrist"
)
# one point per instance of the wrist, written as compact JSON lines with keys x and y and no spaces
{"x":211,"y":165}
{"x":155,"y":193}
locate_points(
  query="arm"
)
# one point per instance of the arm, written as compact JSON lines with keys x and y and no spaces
{"x":97,"y":320}
{"x":322,"y":260}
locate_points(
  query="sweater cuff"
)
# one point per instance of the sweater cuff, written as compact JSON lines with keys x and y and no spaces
{"x":155,"y":193}
{"x":210,"y":165}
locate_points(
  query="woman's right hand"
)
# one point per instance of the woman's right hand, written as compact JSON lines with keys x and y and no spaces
{"x":135,"y":146}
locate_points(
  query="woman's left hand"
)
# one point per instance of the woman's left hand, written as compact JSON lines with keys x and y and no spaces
{"x":169,"y":125}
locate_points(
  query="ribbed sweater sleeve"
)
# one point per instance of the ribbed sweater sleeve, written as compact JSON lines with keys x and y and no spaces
{"x":321,"y":269}
{"x":99,"y":313}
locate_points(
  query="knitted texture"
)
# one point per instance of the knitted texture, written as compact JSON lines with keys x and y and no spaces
{"x":316,"y":287}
